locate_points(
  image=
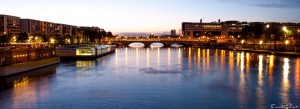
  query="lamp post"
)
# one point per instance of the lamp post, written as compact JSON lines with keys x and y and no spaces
{"x":286,"y":44}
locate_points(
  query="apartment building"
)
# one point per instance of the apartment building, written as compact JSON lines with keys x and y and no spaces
{"x":36,"y":27}
{"x":199,"y":29}
{"x":9,"y":25}
{"x":227,"y":28}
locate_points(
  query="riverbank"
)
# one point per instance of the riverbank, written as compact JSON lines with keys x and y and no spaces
{"x":293,"y":54}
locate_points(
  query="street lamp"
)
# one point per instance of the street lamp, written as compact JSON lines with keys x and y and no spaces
{"x":287,"y":42}
{"x":243,"y":41}
{"x":52,"y":40}
{"x":260,"y":42}
{"x":284,"y":28}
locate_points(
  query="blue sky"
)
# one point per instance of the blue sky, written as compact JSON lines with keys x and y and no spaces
{"x":150,"y":15}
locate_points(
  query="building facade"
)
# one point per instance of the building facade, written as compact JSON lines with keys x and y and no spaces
{"x":199,"y":29}
{"x":36,"y":27}
{"x":9,"y":25}
{"x":228,"y":28}
{"x":173,"y":33}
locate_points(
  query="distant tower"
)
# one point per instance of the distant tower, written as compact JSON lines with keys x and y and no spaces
{"x":180,"y":32}
{"x":173,"y":33}
{"x":200,"y":20}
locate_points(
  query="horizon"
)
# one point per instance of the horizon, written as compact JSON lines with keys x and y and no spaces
{"x":151,"y":16}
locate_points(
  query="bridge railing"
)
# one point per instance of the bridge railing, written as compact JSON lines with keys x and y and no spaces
{"x":159,"y":39}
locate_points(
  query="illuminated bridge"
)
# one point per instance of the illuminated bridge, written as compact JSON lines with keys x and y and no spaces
{"x":169,"y":41}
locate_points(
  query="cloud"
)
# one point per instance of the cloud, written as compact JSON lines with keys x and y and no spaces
{"x":279,"y":4}
{"x":268,"y":3}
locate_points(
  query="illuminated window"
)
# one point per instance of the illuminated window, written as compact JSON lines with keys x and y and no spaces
{"x":84,"y":51}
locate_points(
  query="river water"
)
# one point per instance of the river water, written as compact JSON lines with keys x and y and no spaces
{"x":145,"y":78}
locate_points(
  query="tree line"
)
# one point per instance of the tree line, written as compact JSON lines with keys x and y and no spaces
{"x":268,"y":33}
{"x":94,"y":36}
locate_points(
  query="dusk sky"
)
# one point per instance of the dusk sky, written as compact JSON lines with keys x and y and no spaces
{"x":150,"y":15}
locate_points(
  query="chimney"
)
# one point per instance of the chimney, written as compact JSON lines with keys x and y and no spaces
{"x":200,"y":20}
{"x":219,"y":21}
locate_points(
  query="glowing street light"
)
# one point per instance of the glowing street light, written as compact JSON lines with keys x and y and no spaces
{"x":287,"y":42}
{"x":284,"y":28}
{"x":260,"y":42}
{"x":243,"y":41}
{"x":52,"y":40}
{"x":14,"y":39}
{"x":268,"y":26}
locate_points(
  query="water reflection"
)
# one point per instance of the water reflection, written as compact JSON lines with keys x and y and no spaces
{"x":285,"y":82}
{"x":158,"y":57}
{"x":271,"y":64}
{"x":242,"y":61}
{"x":242,"y":98}
{"x":161,"y":78}
{"x":198,"y":62}
{"x":148,"y":57}
{"x":26,"y":88}
{"x":260,"y":93}
{"x":169,"y":58}
{"x":23,"y":80}
{"x":297,"y":77}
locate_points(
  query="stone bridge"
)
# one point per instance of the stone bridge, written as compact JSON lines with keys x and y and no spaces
{"x":190,"y":42}
{"x":148,"y":43}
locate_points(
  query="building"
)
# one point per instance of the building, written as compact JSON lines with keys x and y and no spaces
{"x":32,"y":27}
{"x":180,"y":32}
{"x":173,"y":33}
{"x":36,"y":27}
{"x":229,"y":28}
{"x":199,"y":29}
{"x":9,"y":25}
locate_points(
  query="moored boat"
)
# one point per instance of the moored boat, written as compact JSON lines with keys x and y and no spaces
{"x":84,"y":51}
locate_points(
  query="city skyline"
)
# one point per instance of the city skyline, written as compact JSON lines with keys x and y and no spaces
{"x":151,"y":16}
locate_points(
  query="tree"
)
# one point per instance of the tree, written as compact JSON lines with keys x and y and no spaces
{"x":4,"y":39}
{"x":45,"y":38}
{"x":253,"y":32}
{"x":274,"y":33}
{"x":22,"y":37}
{"x":91,"y":35}
{"x":297,"y":36}
{"x":247,"y":33}
{"x":59,"y":38}
{"x":103,"y":32}
{"x":258,"y":30}
{"x":109,"y":34}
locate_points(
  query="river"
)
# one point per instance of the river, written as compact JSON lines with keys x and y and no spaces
{"x":156,"y":78}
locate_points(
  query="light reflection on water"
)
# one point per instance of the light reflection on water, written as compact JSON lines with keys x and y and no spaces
{"x":159,"y":78}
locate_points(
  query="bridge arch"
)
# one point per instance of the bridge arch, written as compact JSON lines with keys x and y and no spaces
{"x":137,"y":43}
{"x":147,"y":43}
{"x":165,"y":44}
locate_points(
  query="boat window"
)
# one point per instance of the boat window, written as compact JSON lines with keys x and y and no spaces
{"x":84,"y":51}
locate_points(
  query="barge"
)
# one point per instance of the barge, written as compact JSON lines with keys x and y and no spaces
{"x":14,"y":60}
{"x":84,"y":51}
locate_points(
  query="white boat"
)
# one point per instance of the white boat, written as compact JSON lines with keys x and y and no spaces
{"x":84,"y":51}
{"x":156,"y":45}
{"x":136,"y":45}
{"x":176,"y":45}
